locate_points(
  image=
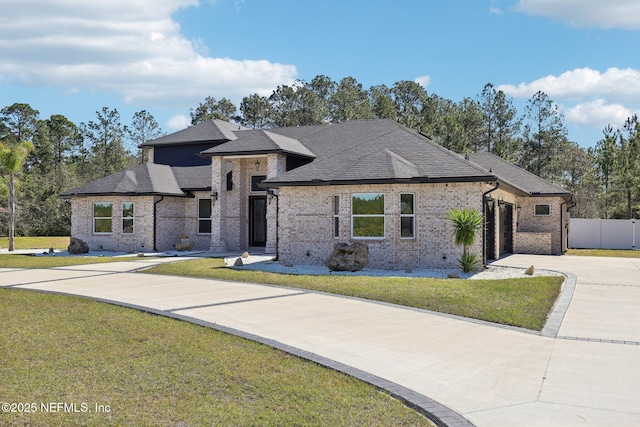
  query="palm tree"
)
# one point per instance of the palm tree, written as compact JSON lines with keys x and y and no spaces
{"x":11,"y":161}
{"x":466,"y":222}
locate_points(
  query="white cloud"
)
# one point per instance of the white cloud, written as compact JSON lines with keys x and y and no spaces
{"x":132,"y":48}
{"x":423,"y":81}
{"x":622,"y":14}
{"x":615,"y":84}
{"x":598,"y":113}
{"x":587,"y":96}
{"x":179,"y":122}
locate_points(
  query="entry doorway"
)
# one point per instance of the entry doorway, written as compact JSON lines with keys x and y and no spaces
{"x":258,"y":221}
{"x":506,"y":229}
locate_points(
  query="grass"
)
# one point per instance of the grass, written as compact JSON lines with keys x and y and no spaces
{"x":518,"y":302}
{"x":30,"y":261}
{"x":153,"y":371}
{"x":616,"y":253}
{"x":39,"y":242}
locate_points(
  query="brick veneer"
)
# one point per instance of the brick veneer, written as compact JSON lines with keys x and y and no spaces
{"x":306,"y":224}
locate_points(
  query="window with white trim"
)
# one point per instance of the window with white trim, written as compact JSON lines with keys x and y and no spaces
{"x":102,"y":216}
{"x":542,"y":210}
{"x":407,"y":216}
{"x":127,"y":218}
{"x":367,"y":216}
{"x":204,"y":216}
{"x":336,"y":217}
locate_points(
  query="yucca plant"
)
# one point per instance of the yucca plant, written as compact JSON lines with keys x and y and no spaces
{"x":466,"y":222}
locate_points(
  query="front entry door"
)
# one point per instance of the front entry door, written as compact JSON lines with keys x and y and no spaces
{"x":258,"y":221}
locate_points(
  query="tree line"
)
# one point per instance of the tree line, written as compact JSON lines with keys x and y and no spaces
{"x":605,"y":178}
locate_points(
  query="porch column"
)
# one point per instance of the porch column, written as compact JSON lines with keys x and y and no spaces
{"x":276,"y":165}
{"x":218,"y":207}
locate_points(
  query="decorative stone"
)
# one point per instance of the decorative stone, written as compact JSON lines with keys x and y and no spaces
{"x":245,"y":255}
{"x":184,"y":244}
{"x":77,"y":246}
{"x":238,"y":262}
{"x":529,"y":271}
{"x":288,"y":264}
{"x":453,"y":276}
{"x":348,"y":257}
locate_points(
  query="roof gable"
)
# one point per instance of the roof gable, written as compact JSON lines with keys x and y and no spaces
{"x":208,"y":131}
{"x":146,"y":179}
{"x":377,"y":151}
{"x":251,"y":142}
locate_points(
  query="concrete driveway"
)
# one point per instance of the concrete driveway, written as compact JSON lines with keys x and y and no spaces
{"x":589,"y":374}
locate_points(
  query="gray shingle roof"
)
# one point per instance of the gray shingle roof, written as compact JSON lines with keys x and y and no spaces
{"x":259,"y":142}
{"x":211,"y":130}
{"x":146,"y":179}
{"x":517,"y":177}
{"x":374,"y":151}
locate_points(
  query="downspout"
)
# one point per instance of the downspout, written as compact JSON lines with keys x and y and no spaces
{"x":155,"y":220}
{"x":484,"y":223}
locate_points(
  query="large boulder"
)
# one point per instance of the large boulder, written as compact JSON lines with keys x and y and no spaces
{"x":184,"y":244}
{"x":348,"y":257}
{"x":77,"y":246}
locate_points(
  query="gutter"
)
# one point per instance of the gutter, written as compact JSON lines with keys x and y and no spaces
{"x":484,"y":223}
{"x":155,"y":221}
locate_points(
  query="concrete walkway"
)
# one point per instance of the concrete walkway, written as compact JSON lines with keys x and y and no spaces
{"x":589,"y":374}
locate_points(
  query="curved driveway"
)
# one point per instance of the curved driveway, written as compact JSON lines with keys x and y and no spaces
{"x":589,"y":374}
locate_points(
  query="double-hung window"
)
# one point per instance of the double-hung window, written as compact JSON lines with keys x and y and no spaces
{"x":367,"y":216}
{"x":127,"y":218}
{"x":102,"y":215}
{"x":204,"y":216}
{"x":407,"y":216}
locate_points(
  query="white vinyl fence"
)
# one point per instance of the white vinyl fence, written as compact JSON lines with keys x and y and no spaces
{"x":604,"y":233}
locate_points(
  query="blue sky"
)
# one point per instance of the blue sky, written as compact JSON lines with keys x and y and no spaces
{"x":165,"y":56}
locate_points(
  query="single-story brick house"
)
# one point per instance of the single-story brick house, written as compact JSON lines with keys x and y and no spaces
{"x":297,"y":191}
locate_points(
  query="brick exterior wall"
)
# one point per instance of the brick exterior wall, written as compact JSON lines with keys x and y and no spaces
{"x":231,"y":211}
{"x":140,"y":241}
{"x":175,"y":216}
{"x":528,"y":222}
{"x":306,"y":224}
{"x":300,"y":221}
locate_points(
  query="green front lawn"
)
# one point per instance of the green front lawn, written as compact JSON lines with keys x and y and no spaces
{"x":30,"y":261}
{"x":518,"y":302}
{"x":145,"y":370}
{"x":37,"y":242}
{"x":615,"y":253}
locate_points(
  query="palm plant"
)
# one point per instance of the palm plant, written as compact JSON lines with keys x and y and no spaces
{"x":11,"y":162}
{"x":465,"y":221}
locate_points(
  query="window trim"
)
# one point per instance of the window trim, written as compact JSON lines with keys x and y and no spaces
{"x":412,"y":215}
{"x":204,"y":218}
{"x":354,"y":216}
{"x":132,"y":217}
{"x":535,"y":210}
{"x":110,"y":218}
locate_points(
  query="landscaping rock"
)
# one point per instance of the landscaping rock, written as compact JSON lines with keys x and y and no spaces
{"x":348,"y":257}
{"x":245,"y":255}
{"x":529,"y":271}
{"x":453,"y":276}
{"x":77,"y":246}
{"x":184,"y":244}
{"x":238,"y":262}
